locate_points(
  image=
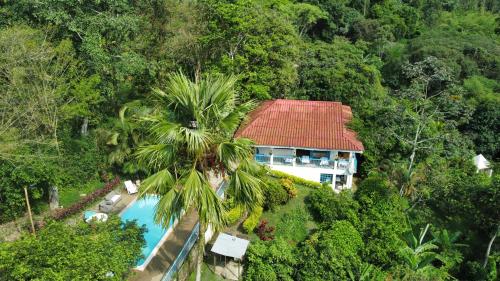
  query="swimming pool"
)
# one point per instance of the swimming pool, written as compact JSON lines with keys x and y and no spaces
{"x":143,"y":211}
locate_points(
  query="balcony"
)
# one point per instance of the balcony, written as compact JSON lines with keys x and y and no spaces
{"x":286,"y":160}
{"x":263,"y":159}
{"x":323,"y":162}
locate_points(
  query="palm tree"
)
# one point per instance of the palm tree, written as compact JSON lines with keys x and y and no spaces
{"x":190,"y":140}
{"x":124,"y":136}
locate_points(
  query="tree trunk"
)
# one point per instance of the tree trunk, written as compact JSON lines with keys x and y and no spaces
{"x":85,"y":127}
{"x":201,"y":251}
{"x":486,"y":256}
{"x":412,"y":158}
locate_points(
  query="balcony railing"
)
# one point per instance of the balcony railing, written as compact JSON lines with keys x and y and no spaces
{"x":262,"y":158}
{"x":290,"y":160}
{"x":343,"y":164}
{"x":315,"y":162}
{"x":286,"y":160}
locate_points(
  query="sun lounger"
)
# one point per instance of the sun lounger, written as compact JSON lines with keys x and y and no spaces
{"x":131,"y":187}
{"x":105,"y":208}
{"x":109,"y":202}
{"x":112,"y":199}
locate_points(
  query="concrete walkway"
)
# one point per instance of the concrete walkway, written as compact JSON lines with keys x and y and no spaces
{"x":168,"y":251}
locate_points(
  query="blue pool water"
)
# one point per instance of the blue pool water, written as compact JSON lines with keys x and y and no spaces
{"x":143,"y":211}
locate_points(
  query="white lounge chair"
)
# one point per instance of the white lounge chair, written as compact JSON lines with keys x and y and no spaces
{"x":305,"y":159}
{"x":324,"y":161}
{"x":131,"y":187}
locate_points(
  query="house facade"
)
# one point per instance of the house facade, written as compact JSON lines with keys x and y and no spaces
{"x":308,"y":139}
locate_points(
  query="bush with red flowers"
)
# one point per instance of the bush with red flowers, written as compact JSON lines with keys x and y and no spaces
{"x":84,"y":201}
{"x":265,"y":231}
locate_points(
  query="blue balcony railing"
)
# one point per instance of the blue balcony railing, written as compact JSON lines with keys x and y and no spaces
{"x":262,"y":158}
{"x":315,"y":162}
{"x":283,"y":160}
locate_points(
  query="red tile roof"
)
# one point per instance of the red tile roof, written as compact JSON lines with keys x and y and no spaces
{"x":299,"y":123}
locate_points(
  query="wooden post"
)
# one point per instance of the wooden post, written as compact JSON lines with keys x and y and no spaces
{"x":29,"y":210}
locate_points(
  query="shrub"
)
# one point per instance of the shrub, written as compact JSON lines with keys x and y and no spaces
{"x":274,"y":195}
{"x":265,"y":231}
{"x":253,"y":219}
{"x":289,"y":187}
{"x":292,"y":226}
{"x":295,"y":179}
{"x":330,"y":254}
{"x":234,"y":215}
{"x":270,"y":261}
{"x":80,"y":205}
{"x":63,"y":252}
{"x":328,"y":206}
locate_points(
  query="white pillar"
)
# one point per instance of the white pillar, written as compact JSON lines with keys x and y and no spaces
{"x":271,"y":160}
{"x":294,"y":157}
{"x":349,"y":181}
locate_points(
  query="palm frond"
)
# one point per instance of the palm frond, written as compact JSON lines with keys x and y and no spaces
{"x":246,"y":189}
{"x":159,"y":183}
{"x":156,"y":156}
{"x":197,"y":141}
{"x":234,"y":151}
{"x":169,"y":207}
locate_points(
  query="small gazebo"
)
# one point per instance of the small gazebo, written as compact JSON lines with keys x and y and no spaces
{"x":229,"y":246}
{"x":482,"y":165}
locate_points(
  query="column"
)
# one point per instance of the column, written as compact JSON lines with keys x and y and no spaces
{"x":349,"y":181}
{"x":271,"y":160}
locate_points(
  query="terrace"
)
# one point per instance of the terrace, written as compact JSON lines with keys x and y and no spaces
{"x":306,"y":158}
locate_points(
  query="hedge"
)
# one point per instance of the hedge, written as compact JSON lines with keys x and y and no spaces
{"x":253,"y":219}
{"x":80,"y":205}
{"x":274,"y":194}
{"x":295,"y":179}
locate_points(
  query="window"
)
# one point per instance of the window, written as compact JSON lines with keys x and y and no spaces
{"x":326,"y":178}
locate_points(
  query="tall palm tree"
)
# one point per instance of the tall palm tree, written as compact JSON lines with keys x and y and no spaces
{"x":190,"y":140}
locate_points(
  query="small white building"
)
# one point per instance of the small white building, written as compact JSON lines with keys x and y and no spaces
{"x":308,"y":139}
{"x":482,"y":165}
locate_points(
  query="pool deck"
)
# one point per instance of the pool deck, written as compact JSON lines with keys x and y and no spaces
{"x":168,"y":251}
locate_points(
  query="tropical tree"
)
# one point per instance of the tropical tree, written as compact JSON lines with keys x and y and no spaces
{"x":448,"y":246}
{"x":418,"y":255}
{"x":191,"y":141}
{"x":125,"y":135}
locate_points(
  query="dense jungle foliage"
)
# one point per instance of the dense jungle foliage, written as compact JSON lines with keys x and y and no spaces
{"x":422,"y":78}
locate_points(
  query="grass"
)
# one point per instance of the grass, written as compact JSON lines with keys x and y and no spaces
{"x":69,"y":196}
{"x":206,"y":274}
{"x":275,"y":217}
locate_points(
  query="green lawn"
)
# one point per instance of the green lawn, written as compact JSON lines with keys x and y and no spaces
{"x":69,"y":196}
{"x":275,"y":217}
{"x":206,"y":274}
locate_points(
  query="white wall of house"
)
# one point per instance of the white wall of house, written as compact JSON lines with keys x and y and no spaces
{"x":311,"y":172}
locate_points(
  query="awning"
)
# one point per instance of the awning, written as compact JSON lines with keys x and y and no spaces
{"x":230,"y":246}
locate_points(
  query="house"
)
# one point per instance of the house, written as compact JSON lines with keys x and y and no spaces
{"x":482,"y":165}
{"x":308,"y":139}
